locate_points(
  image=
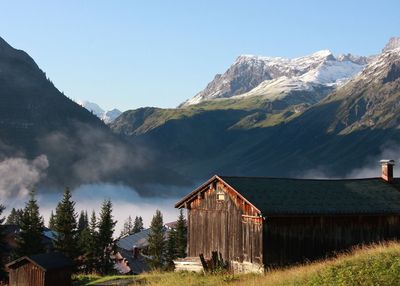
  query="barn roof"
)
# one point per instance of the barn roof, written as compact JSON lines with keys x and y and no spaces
{"x":286,"y":196}
{"x":46,"y":261}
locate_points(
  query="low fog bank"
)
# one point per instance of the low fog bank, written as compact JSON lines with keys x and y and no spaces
{"x":373,"y":168}
{"x":126,"y":201}
{"x":81,"y":154}
{"x":370,"y":169}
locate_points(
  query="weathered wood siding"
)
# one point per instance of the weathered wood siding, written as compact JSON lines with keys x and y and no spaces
{"x":289,"y":240}
{"x":230,"y":227}
{"x":27,"y":274}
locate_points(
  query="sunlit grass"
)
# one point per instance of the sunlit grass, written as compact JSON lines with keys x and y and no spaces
{"x":374,"y":265}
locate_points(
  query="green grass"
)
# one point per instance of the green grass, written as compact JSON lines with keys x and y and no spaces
{"x":94,"y":279}
{"x":375,"y":265}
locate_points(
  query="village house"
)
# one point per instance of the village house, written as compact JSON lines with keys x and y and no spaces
{"x":257,"y":222}
{"x":47,"y":269}
{"x":130,"y":255}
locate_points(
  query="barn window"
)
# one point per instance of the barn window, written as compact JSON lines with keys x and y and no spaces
{"x":220,"y":195}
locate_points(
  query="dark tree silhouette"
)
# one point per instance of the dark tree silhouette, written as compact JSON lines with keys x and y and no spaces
{"x":157,"y":241}
{"x":31,"y":227}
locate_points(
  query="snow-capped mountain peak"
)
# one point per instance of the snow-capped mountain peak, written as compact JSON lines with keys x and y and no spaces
{"x":106,"y":116}
{"x":322,"y":53}
{"x":250,"y":72}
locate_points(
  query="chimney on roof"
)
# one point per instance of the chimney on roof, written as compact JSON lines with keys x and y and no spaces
{"x":387,"y":170}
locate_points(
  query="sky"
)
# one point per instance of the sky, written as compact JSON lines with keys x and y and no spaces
{"x":131,"y":54}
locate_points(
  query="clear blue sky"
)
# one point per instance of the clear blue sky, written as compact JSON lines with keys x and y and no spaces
{"x":128,"y":54}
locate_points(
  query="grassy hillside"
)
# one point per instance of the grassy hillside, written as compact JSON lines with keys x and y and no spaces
{"x":246,"y":113}
{"x":377,"y":265}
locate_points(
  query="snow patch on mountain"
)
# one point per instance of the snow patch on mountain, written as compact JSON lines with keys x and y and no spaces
{"x":106,"y":116}
{"x":379,"y":66}
{"x":332,"y":72}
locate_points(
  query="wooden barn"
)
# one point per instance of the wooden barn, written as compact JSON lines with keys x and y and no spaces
{"x":256,"y":222}
{"x":46,"y":269}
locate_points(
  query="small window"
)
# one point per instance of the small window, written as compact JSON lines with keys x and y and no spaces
{"x":220,"y":195}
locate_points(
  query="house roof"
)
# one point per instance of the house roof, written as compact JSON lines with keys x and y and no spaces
{"x":137,"y":265}
{"x":46,"y":261}
{"x":285,"y":196}
{"x":140,"y":239}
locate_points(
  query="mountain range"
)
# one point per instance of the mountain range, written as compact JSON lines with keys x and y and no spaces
{"x":293,"y":117}
{"x":319,"y":115}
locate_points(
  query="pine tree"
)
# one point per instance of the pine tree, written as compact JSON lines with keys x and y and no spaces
{"x":83,"y":222}
{"x":86,"y":219}
{"x":84,"y":238}
{"x":31,"y":228}
{"x":156,"y":240}
{"x":181,"y":236}
{"x":170,"y":251}
{"x":65,"y":226}
{"x":105,"y":238}
{"x":128,"y":227}
{"x":15,"y":216}
{"x":91,"y":249}
{"x":138,"y":225}
{"x":3,"y":274}
{"x":52,"y":221}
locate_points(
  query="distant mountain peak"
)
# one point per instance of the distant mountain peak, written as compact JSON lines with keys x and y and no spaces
{"x":106,"y":116}
{"x":322,"y":54}
{"x":394,"y":43}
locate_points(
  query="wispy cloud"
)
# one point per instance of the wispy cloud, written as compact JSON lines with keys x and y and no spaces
{"x":19,"y":175}
{"x":95,"y":155}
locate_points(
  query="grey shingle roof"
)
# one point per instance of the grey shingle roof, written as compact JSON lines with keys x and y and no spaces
{"x":137,"y":265}
{"x":279,"y":196}
{"x":46,"y":261}
{"x":138,"y":240}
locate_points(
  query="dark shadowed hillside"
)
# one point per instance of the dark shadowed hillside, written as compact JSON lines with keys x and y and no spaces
{"x":36,"y":119}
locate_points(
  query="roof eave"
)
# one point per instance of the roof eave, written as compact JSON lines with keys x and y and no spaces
{"x":242,"y":197}
{"x":25,"y":258}
{"x":180,"y":203}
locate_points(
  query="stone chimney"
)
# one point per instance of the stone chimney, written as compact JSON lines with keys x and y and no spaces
{"x":387,"y":170}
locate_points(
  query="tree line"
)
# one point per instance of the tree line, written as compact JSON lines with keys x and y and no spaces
{"x":89,"y":241}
